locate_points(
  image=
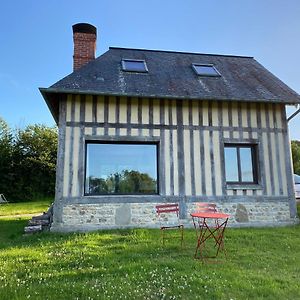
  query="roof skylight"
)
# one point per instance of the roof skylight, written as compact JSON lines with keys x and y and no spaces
{"x":205,"y":70}
{"x":134,"y":65}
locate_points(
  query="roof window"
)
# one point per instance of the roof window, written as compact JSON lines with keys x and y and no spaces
{"x":205,"y":70}
{"x":134,"y":65}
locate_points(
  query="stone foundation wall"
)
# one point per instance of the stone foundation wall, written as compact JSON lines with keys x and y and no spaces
{"x":253,"y":214}
{"x":85,"y":217}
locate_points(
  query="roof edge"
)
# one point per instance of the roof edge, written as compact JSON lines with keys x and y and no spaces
{"x":179,"y":52}
{"x":50,"y":104}
{"x":47,"y":91}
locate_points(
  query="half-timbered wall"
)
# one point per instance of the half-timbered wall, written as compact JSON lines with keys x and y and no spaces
{"x":191,"y":136}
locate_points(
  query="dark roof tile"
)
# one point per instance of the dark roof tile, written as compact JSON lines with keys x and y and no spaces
{"x":171,"y":76}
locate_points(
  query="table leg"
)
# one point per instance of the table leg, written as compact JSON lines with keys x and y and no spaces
{"x":220,"y":238}
{"x":201,"y":229}
{"x":204,"y":232}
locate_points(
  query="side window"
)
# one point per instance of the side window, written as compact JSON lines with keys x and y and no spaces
{"x":241,"y":163}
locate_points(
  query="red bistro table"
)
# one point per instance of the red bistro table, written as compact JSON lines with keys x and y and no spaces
{"x":205,"y":231}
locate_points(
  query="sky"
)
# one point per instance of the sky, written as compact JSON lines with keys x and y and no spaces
{"x":36,"y":44}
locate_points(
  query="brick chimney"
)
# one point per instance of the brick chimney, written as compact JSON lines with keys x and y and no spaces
{"x":84,"y":37}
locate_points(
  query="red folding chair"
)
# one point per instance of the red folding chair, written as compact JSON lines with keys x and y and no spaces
{"x":207,"y":208}
{"x":168,"y":215}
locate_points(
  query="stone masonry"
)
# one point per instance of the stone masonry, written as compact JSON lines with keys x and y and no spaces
{"x":85,"y":217}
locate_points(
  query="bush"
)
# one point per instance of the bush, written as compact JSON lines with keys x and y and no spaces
{"x":296,"y":156}
{"x":27,"y":161}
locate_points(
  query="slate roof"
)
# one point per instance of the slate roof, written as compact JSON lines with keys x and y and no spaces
{"x":171,"y":76}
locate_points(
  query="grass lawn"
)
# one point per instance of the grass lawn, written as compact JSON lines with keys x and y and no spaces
{"x":132,"y":264}
{"x":20,"y":208}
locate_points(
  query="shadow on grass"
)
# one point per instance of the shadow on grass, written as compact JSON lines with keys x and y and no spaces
{"x":75,"y":265}
{"x":136,"y":244}
{"x":11,"y":230}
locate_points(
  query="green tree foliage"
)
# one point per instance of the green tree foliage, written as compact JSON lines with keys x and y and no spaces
{"x":125,"y":182}
{"x":6,"y":154}
{"x":134,"y":181}
{"x":28,"y":160}
{"x":296,"y":156}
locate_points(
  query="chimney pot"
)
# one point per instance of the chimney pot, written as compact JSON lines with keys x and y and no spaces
{"x":84,"y":37}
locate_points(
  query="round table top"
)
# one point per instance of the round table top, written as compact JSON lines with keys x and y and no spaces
{"x":210,"y":215}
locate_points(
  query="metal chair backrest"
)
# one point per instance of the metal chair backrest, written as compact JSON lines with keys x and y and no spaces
{"x":167,"y":208}
{"x":3,"y":199}
{"x":203,"y":207}
{"x":206,"y":207}
{"x":167,"y":223}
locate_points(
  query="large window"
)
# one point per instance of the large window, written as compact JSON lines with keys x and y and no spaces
{"x":241,"y":163}
{"x":119,"y":168}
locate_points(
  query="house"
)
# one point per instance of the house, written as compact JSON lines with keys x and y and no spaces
{"x":141,"y":127}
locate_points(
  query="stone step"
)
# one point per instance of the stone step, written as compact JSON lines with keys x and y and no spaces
{"x":44,"y":216}
{"x":42,"y":222}
{"x":33,"y":229}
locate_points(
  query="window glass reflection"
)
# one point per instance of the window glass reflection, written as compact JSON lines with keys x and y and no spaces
{"x":134,"y":65}
{"x":240,"y":163}
{"x":246,"y":164}
{"x":231,"y":164}
{"x":121,"y":169}
{"x":205,"y":70}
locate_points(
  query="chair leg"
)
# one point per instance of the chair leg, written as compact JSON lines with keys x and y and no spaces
{"x":181,"y":236}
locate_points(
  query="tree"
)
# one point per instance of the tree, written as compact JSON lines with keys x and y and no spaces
{"x":136,"y":182}
{"x":125,"y":182}
{"x":27,"y":161}
{"x":6,"y":157}
{"x":96,"y":185}
{"x":296,"y":156}
{"x":35,"y":161}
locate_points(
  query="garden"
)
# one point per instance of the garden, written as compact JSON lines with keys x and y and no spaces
{"x":261,"y":263}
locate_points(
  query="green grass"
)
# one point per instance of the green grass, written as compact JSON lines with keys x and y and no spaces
{"x":132,"y":264}
{"x":10,"y":209}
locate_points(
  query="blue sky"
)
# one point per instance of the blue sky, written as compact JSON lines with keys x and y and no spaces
{"x":36,"y":44}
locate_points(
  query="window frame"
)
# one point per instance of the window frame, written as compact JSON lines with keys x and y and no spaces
{"x":254,"y":161}
{"x":194,"y":65}
{"x":123,"y":63}
{"x":125,"y":142}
